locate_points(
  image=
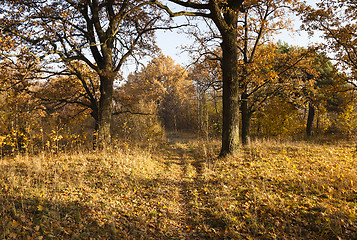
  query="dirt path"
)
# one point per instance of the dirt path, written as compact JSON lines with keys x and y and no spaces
{"x":186,"y":190}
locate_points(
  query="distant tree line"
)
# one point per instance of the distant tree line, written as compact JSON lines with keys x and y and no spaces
{"x":61,"y":77}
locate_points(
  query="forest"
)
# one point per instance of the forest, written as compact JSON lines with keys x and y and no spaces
{"x":103,"y":136}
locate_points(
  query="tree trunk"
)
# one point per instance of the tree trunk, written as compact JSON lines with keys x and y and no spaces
{"x":105,"y":111}
{"x":204,"y":109}
{"x":207,"y":121}
{"x":245,"y":119}
{"x":310,"y":120}
{"x":230,"y":131}
{"x":317,"y":128}
{"x":199,"y":115}
{"x":95,"y":116}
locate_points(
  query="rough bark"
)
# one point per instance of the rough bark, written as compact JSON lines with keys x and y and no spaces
{"x":230,"y":72}
{"x":105,"y":111}
{"x":95,"y":115}
{"x":225,"y":16}
{"x":245,"y":119}
{"x":310,"y":120}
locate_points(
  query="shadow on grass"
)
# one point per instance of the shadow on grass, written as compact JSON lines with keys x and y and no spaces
{"x":207,"y":208}
{"x":33,"y":218}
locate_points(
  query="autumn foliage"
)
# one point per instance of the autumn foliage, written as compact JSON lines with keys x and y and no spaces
{"x":91,"y":150}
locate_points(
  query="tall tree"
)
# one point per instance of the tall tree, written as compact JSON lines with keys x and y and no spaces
{"x":224,"y":14}
{"x":326,"y":84}
{"x":242,"y":27}
{"x":259,"y":22}
{"x":274,"y":69}
{"x":101,"y":34}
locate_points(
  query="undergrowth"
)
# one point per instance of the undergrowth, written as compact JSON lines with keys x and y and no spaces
{"x":180,"y":190}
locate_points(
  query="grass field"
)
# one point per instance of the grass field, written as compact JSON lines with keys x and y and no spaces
{"x":179,"y":190}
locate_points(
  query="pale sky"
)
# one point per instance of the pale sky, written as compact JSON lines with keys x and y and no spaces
{"x":171,"y":41}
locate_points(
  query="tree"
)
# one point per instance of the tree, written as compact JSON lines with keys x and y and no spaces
{"x":337,"y":22}
{"x":19,"y":111}
{"x":242,"y":28}
{"x":165,"y":83}
{"x":207,"y":79}
{"x":326,"y":84}
{"x":305,"y":81}
{"x":274,"y":69}
{"x":259,"y":22}
{"x":81,"y":90}
{"x":101,"y":35}
{"x":224,"y":14}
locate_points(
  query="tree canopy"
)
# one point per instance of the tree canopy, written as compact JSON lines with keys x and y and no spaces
{"x":101,"y":35}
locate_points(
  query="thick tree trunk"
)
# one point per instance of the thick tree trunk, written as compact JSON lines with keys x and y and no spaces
{"x":245,"y":119}
{"x":225,"y":16}
{"x":310,"y":120}
{"x":105,"y":111}
{"x":230,"y":131}
{"x":95,"y":116}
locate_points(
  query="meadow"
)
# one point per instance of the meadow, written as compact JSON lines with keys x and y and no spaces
{"x":179,"y":189}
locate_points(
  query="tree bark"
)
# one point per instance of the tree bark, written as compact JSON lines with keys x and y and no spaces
{"x":105,"y":111}
{"x":230,"y":72}
{"x":245,"y":119}
{"x":310,"y":120}
{"x":95,"y":116}
{"x":225,"y":16}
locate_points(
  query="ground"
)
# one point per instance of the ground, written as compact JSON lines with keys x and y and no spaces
{"x":178,"y":189}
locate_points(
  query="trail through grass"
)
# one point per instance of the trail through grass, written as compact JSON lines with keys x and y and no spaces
{"x":179,"y":190}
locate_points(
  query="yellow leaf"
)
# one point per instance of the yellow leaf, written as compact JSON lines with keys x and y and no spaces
{"x":40,"y":208}
{"x":15,"y":224}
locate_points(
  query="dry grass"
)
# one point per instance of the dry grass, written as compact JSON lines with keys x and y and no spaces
{"x":178,"y":190}
{"x":277,"y":190}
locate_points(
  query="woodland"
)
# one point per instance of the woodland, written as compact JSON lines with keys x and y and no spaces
{"x":102,"y":136}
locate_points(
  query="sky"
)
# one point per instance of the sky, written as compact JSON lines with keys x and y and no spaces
{"x":170,"y":42}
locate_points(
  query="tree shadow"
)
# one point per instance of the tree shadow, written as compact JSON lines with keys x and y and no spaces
{"x":34,"y":218}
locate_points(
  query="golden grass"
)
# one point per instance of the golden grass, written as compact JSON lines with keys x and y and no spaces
{"x":179,"y":190}
{"x":280,"y":190}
